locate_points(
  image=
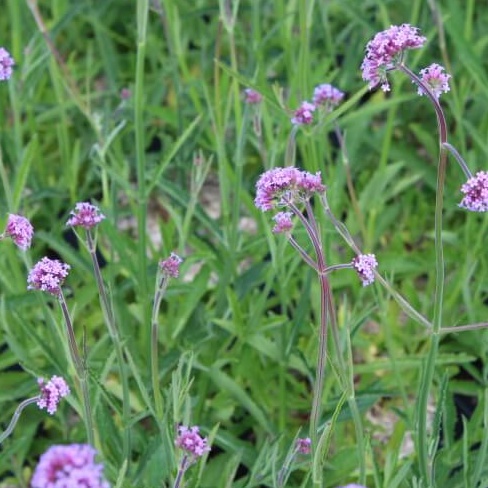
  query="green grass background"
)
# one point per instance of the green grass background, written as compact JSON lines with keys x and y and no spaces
{"x":241,"y":334}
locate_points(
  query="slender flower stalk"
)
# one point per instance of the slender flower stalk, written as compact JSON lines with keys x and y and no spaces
{"x":386,"y":52}
{"x":459,"y":159}
{"x":80,"y":369}
{"x":50,"y":395}
{"x":289,"y":187}
{"x":167,"y":269}
{"x":426,"y":458}
{"x":88,"y":216}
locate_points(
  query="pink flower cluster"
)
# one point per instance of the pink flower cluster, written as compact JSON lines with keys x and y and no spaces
{"x":365,"y":264}
{"x":385,"y":51}
{"x":435,"y":79}
{"x":20,"y":231}
{"x":171,"y":265}
{"x":327,"y":95}
{"x":48,"y":275}
{"x":280,"y":186}
{"x":190,"y":441}
{"x":252,"y":97}
{"x":304,"y":445}
{"x":51,"y":393}
{"x":6,"y":63}
{"x":70,"y":466}
{"x":303,"y":115}
{"x":476,"y":193}
{"x":85,"y":215}
{"x":283,"y":222}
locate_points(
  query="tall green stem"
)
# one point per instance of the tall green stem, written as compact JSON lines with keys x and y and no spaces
{"x":109,"y":316}
{"x":425,"y":458}
{"x":161,"y":285}
{"x":80,"y":369}
{"x":142,"y":14}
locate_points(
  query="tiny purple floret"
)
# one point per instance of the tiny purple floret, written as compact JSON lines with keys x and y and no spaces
{"x":85,"y":215}
{"x":252,"y":97}
{"x":327,"y":95}
{"x":304,"y":445}
{"x":435,"y":78}
{"x":385,"y":51}
{"x":51,"y":393}
{"x":476,"y":193}
{"x":364,"y":264}
{"x":352,"y":485}
{"x":6,"y":63}
{"x":283,"y":222}
{"x":303,"y":115}
{"x":190,"y":441}
{"x":48,"y":275}
{"x":73,"y":466}
{"x":125,"y":94}
{"x":20,"y":230}
{"x":280,"y":186}
{"x":171,"y":265}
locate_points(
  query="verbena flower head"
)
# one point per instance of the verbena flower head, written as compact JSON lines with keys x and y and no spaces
{"x":303,"y":115}
{"x":51,"y":393}
{"x":85,"y":215}
{"x":279,"y":186}
{"x":171,"y":265}
{"x":327,"y":95}
{"x":48,"y":275}
{"x":69,"y":466}
{"x":476,"y":193}
{"x":6,"y":63}
{"x":283,"y":222}
{"x":435,"y":78}
{"x":364,"y":264}
{"x":385,"y":51}
{"x":252,"y":97}
{"x":190,"y":441}
{"x":125,"y":93}
{"x":20,"y":230}
{"x":304,"y":445}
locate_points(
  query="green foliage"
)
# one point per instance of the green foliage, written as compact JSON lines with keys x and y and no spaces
{"x":238,"y":329}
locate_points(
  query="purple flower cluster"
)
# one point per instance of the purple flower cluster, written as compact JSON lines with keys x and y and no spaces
{"x":303,"y":115}
{"x":385,"y":51}
{"x":283,"y":222}
{"x":71,"y":466}
{"x":85,"y":215}
{"x":51,"y":393}
{"x":190,"y":441}
{"x":327,"y":95}
{"x":304,"y":445}
{"x":435,"y":79}
{"x":476,"y":193}
{"x":20,"y":231}
{"x":6,"y":63}
{"x":280,"y":186}
{"x":48,"y":275}
{"x":252,"y":97}
{"x":365,"y":264}
{"x":171,"y":265}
